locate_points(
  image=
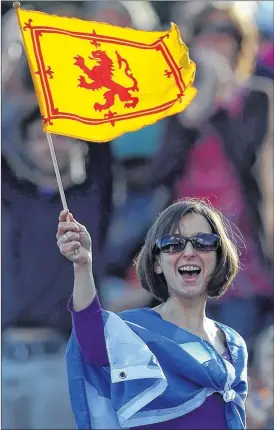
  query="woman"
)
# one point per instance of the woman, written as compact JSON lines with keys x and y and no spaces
{"x":167,"y":367}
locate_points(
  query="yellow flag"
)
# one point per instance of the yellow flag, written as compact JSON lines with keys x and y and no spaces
{"x":95,"y":81}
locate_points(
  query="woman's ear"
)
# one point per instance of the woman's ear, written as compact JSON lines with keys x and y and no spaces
{"x":157,"y":266}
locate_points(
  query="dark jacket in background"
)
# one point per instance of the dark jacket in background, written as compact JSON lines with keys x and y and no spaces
{"x":36,"y":279}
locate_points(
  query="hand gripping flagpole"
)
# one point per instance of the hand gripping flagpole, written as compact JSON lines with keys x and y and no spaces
{"x":17,"y":5}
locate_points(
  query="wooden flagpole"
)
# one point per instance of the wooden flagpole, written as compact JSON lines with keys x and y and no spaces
{"x":57,"y":171}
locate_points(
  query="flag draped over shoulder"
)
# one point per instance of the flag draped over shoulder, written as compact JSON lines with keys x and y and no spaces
{"x":95,"y":81}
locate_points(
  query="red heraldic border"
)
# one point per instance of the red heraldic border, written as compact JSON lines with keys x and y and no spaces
{"x":46,"y":73}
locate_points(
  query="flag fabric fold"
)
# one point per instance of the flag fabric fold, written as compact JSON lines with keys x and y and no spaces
{"x":95,"y":81}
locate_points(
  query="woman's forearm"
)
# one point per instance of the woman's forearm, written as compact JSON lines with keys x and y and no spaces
{"x":84,"y":289}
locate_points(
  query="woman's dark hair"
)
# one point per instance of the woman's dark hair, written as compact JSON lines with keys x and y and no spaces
{"x":168,"y":222}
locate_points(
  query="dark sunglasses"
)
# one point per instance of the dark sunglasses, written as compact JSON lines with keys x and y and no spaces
{"x":175,"y":243}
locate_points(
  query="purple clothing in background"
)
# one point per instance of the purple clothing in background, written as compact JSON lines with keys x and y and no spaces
{"x":89,"y":331}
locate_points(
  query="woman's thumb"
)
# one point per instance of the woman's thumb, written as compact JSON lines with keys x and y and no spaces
{"x":72,"y":219}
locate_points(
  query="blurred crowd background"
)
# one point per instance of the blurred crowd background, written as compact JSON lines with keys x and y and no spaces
{"x":220,"y":148}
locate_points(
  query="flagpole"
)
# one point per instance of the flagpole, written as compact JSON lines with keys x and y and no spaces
{"x":57,"y":171}
{"x":59,"y":180}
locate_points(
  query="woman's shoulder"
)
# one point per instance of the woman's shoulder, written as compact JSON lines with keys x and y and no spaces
{"x":144,"y":318}
{"x":134,"y":315}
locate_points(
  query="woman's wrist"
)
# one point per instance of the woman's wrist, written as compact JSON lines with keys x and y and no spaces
{"x":79,"y":267}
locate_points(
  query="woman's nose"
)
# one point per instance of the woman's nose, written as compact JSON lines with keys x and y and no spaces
{"x":189,"y":250}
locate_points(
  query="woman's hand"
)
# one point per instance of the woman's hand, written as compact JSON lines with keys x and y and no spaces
{"x":73,"y":239}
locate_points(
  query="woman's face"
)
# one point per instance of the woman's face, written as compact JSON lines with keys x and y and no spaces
{"x":182,"y":285}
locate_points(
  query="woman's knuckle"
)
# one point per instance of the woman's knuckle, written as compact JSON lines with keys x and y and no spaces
{"x":60,"y":228}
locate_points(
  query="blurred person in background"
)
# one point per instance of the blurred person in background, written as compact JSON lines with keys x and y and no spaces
{"x":134,"y":14}
{"x":135,"y":206}
{"x":264,"y":172}
{"x":35,"y":280}
{"x":112,"y":12}
{"x":210,"y":150}
{"x":260,"y":401}
{"x":264,"y":81}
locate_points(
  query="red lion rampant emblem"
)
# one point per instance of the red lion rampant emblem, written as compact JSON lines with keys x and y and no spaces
{"x":101,"y":76}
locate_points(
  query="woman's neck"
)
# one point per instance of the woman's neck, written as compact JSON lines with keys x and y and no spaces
{"x":187,"y":314}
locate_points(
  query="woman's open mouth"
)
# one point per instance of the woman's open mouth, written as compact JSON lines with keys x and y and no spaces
{"x":189,"y":272}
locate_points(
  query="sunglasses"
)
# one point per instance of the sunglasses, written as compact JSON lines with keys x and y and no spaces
{"x":204,"y":242}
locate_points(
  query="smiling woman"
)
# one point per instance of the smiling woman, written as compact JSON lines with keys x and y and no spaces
{"x":170,"y":366}
{"x":207,"y":244}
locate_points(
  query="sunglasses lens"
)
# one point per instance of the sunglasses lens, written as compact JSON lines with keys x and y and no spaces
{"x":201,"y":242}
{"x":170,"y":244}
{"x":206,"y":242}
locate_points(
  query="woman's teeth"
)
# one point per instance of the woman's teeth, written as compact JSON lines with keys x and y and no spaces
{"x":190,"y":271}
